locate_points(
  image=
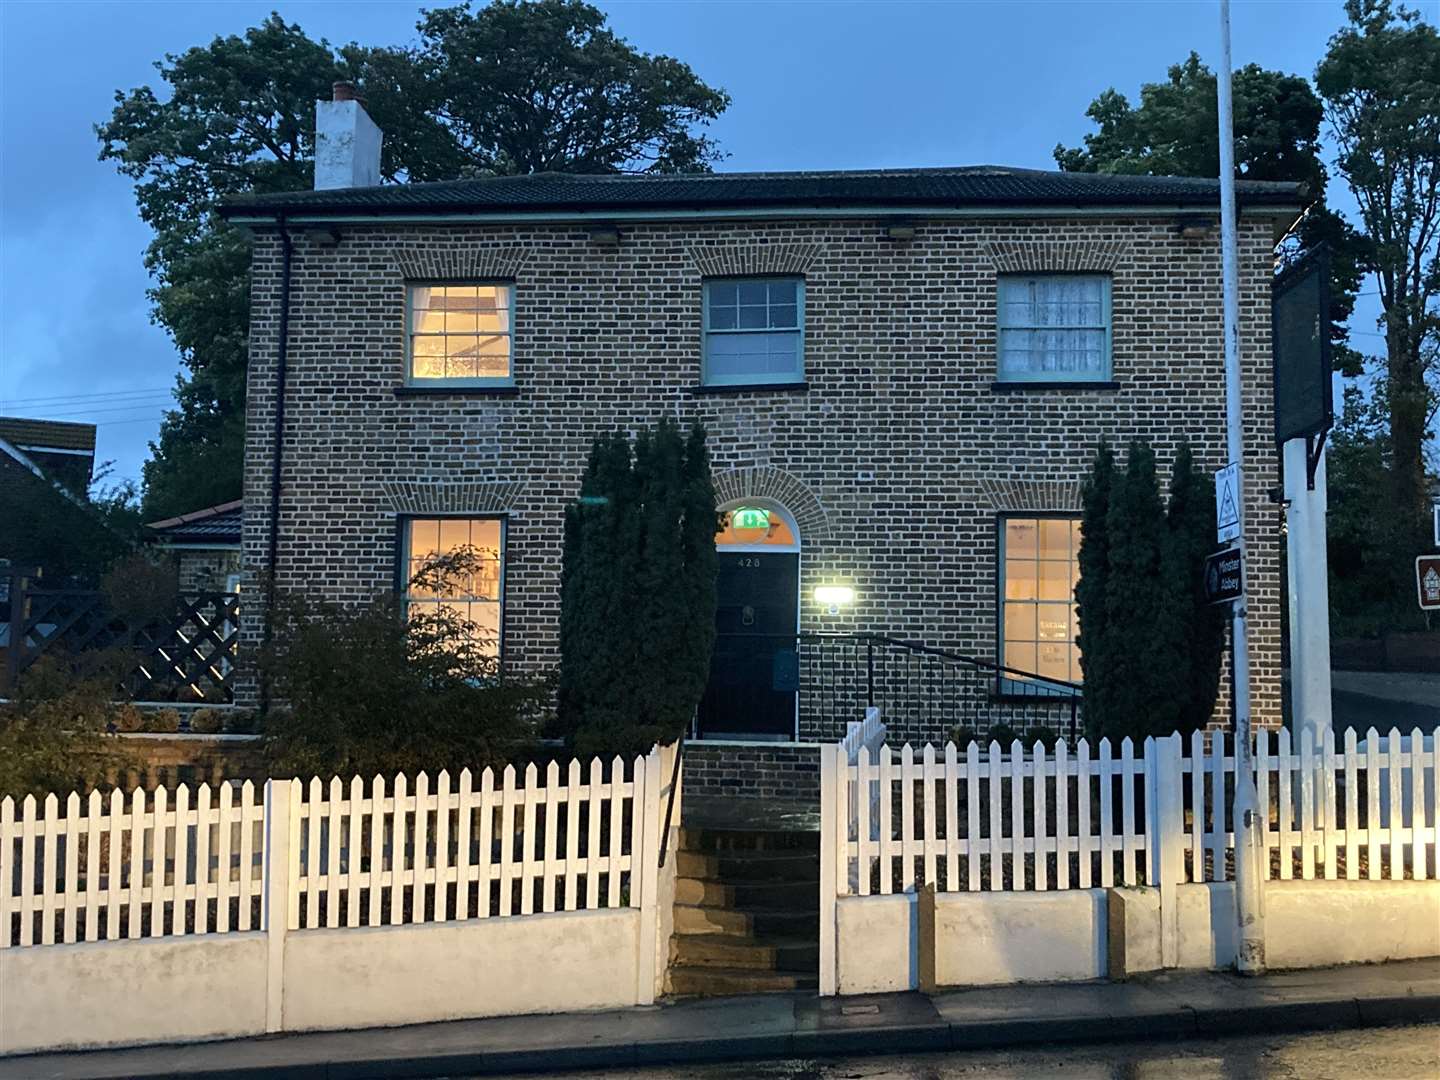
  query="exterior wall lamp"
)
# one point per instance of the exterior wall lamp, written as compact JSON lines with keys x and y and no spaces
{"x":834,"y":597}
{"x":606,"y":237}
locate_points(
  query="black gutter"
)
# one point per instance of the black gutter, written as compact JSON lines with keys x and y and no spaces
{"x":282,"y":348}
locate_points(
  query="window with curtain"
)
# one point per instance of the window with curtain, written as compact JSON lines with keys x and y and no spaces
{"x":1054,"y":327}
{"x":754,"y":331}
{"x":1039,"y":569}
{"x":477,"y":598}
{"x":459,"y":335}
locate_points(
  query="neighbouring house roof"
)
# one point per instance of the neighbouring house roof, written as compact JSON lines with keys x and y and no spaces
{"x":56,"y":450}
{"x":213,"y":525}
{"x":979,"y":186}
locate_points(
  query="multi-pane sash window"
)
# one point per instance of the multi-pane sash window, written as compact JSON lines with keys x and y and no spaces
{"x":1054,"y":328}
{"x":477,"y":597}
{"x":460,"y":334}
{"x":754,"y":331}
{"x":1039,"y":569}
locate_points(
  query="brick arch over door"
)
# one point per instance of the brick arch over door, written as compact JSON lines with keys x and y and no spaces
{"x":768,"y":482}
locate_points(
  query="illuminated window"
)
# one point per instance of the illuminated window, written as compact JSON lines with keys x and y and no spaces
{"x":1054,"y":327}
{"x":460,"y":335}
{"x":754,"y":331}
{"x":476,"y":597}
{"x":1037,"y":614}
{"x":755,"y":526}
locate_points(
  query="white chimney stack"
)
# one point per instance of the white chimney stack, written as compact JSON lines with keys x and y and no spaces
{"x":347,"y":142}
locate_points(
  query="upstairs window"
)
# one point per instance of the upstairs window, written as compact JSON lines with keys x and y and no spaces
{"x":754,"y":331}
{"x":1054,"y":328}
{"x":460,"y":335}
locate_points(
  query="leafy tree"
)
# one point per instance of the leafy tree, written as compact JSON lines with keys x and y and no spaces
{"x":72,"y":538}
{"x":637,"y":599}
{"x":367,"y":690}
{"x":511,"y":88}
{"x":1174,"y":131}
{"x":1380,"y":81}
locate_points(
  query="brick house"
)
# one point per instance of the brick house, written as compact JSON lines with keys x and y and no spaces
{"x":903,"y":374}
{"x":205,"y":545}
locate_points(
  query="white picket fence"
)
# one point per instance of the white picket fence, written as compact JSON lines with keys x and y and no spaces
{"x":103,"y":868}
{"x":361,"y":853}
{"x":1029,"y":819}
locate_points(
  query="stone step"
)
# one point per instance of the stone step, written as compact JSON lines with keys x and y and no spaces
{"x":772,"y":896}
{"x":734,"y":867}
{"x":716,"y":981}
{"x":697,"y":864}
{"x":732,"y":951}
{"x":700,"y":919}
{"x":706,"y":893}
{"x":713,"y":840}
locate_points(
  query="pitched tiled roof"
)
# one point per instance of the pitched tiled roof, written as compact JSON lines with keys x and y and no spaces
{"x":49,"y":434}
{"x":974,"y":186}
{"x":214,"y":525}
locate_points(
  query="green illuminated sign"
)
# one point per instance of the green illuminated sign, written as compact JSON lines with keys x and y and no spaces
{"x":750,"y":517}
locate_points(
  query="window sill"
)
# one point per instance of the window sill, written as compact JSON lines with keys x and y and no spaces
{"x":751,"y":388}
{"x":1017,"y":387}
{"x":457,"y":391}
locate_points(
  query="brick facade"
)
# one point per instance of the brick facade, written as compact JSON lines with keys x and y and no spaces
{"x":756,"y":771}
{"x":895,"y":458}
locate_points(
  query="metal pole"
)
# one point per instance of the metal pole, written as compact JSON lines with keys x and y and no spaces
{"x":1249,"y":906}
{"x":1309,"y":592}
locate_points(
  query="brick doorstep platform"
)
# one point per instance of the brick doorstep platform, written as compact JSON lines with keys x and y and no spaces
{"x":779,"y":771}
{"x":1166,"y":1006}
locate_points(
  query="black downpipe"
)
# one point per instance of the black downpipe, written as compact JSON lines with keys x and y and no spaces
{"x":282,"y":348}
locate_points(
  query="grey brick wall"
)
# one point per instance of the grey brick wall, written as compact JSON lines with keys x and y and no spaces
{"x":897,"y":459}
{"x":757,"y":772}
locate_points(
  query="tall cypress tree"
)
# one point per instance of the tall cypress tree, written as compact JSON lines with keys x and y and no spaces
{"x":1094,"y":563}
{"x":1199,"y":626}
{"x":1142,"y":695}
{"x":637,"y":617}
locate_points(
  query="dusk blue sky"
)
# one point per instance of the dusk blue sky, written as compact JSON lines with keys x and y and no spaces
{"x":814,"y":85}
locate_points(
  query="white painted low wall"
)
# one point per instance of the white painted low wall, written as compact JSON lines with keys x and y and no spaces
{"x":1319,"y":923}
{"x":985,"y":939}
{"x":388,"y":975}
{"x":878,"y":943}
{"x":113,"y":993}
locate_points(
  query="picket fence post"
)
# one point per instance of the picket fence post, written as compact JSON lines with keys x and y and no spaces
{"x":645,"y":868}
{"x":1165,"y":824}
{"x":275,"y":895}
{"x":834,"y":801}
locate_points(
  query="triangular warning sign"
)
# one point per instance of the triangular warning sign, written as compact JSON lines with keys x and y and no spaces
{"x":1228,"y":510}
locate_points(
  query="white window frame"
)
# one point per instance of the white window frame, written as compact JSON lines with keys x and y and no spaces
{"x":410,"y":334}
{"x":707,"y":377}
{"x":1009,"y":683}
{"x":1106,"y":372}
{"x":403,"y":582}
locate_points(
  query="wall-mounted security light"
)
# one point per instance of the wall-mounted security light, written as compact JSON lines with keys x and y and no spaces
{"x":900,"y":230}
{"x":605,"y":236}
{"x":834,"y":597}
{"x":324,"y":235}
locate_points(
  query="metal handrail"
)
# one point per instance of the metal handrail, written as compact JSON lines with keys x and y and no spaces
{"x":670,"y":802}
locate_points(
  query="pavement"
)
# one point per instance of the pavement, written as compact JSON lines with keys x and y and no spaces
{"x":1173,"y":1005}
{"x":1384,"y":699}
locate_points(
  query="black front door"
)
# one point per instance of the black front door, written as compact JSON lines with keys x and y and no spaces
{"x":754,"y":673}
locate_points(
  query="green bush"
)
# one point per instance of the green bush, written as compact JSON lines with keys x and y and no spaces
{"x":206,"y":721}
{"x":162,"y":721}
{"x":365,"y":690}
{"x":51,"y":729}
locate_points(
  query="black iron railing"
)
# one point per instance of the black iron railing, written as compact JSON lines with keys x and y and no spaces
{"x":918,"y":688}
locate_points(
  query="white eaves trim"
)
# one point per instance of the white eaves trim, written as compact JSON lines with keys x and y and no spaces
{"x":15,"y":452}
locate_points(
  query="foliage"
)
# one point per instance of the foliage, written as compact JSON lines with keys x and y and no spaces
{"x":142,"y":588}
{"x":511,"y":88}
{"x":637,"y":592}
{"x":1174,"y":131}
{"x":369,"y":690}
{"x":73,"y":539}
{"x":1150,"y":646}
{"x":207,"y":721}
{"x":1380,"y":81}
{"x":50,"y":729}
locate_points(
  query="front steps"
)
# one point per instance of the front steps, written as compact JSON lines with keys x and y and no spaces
{"x":747,"y":912}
